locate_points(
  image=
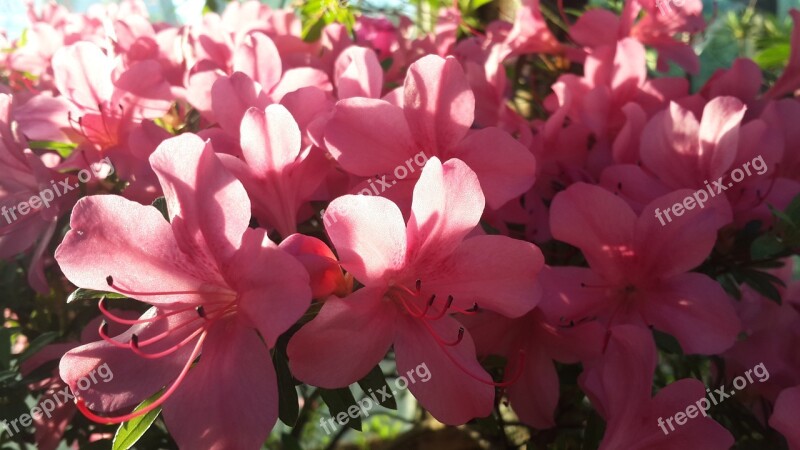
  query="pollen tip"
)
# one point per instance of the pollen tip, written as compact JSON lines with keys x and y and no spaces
{"x":110,"y":280}
{"x":134,"y":341}
{"x":201,"y":311}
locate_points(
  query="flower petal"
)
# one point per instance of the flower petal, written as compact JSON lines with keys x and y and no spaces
{"x":345,"y":341}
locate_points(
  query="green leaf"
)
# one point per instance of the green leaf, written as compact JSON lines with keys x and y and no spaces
{"x":764,"y":284}
{"x":63,"y":148}
{"x":131,"y":431}
{"x":375,"y":381}
{"x":161,"y":204}
{"x":731,"y":286}
{"x":773,"y":57}
{"x":90,"y":294}
{"x":7,"y":375}
{"x":288,"y":408}
{"x":338,"y":401}
{"x":290,"y":442}
{"x":5,"y":348}
{"x":793,"y":210}
{"x":667,"y":343}
{"x":765,"y":246}
{"x":37,"y":344}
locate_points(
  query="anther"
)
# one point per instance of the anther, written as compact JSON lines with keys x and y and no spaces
{"x":201,"y":311}
{"x":134,"y":341}
{"x":110,"y":280}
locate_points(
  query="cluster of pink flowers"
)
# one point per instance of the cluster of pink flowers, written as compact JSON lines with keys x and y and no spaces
{"x":378,"y":190}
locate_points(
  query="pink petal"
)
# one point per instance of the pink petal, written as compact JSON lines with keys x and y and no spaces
{"x":369,"y":235}
{"x":368,"y":137}
{"x":596,"y":221}
{"x":232,"y":96}
{"x":294,"y":79}
{"x":438,"y":102}
{"x":230,"y":398}
{"x":719,"y":134}
{"x":320,"y":263}
{"x":355,"y":332}
{"x":271,"y":300}
{"x":697,"y":432}
{"x":358,"y":73}
{"x":270,"y":139}
{"x":784,"y":416}
{"x":505,"y":168}
{"x":696,"y":310}
{"x":134,"y":378}
{"x":451,"y":395}
{"x":448,"y":204}
{"x":534,"y":396}
{"x":83,"y":74}
{"x":112,"y":236}
{"x":669,"y":147}
{"x":496,"y":272}
{"x":208,"y":207}
{"x":258,"y":57}
{"x":694,"y":232}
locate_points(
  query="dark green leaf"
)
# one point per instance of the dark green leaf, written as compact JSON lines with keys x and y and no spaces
{"x":131,"y":431}
{"x":338,"y":401}
{"x":765,"y":246}
{"x":5,"y":348}
{"x":386,"y":64}
{"x":288,"y":408}
{"x":161,"y":204}
{"x":7,"y":375}
{"x":667,"y":343}
{"x":731,"y":286}
{"x":764,"y":284}
{"x":376,"y":382}
{"x":290,"y":442}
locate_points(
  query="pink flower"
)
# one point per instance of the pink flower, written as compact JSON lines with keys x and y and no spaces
{"x":619,"y":385}
{"x":28,"y":215}
{"x":534,"y":396}
{"x":414,"y":277}
{"x":215,"y":286}
{"x":369,"y":136}
{"x":278,"y":174}
{"x":639,"y":268}
{"x":784,"y":416}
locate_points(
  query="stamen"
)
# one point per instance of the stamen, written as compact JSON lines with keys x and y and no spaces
{"x":81,"y":404}
{"x":445,"y":309}
{"x":103,"y":332}
{"x":134,"y":294}
{"x":170,"y":350}
{"x":103,"y":308}
{"x":201,"y":311}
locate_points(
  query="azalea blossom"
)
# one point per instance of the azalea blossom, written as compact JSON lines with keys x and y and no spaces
{"x":202,"y":273}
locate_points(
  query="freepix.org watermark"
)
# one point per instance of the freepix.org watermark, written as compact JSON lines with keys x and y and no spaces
{"x":65,"y":396}
{"x":700,"y":197}
{"x":47,"y":195}
{"x":366,"y":404}
{"x":716,"y":397}
{"x":400,"y":173}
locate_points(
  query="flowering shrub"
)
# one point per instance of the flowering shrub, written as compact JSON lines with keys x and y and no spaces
{"x":273,"y":216}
